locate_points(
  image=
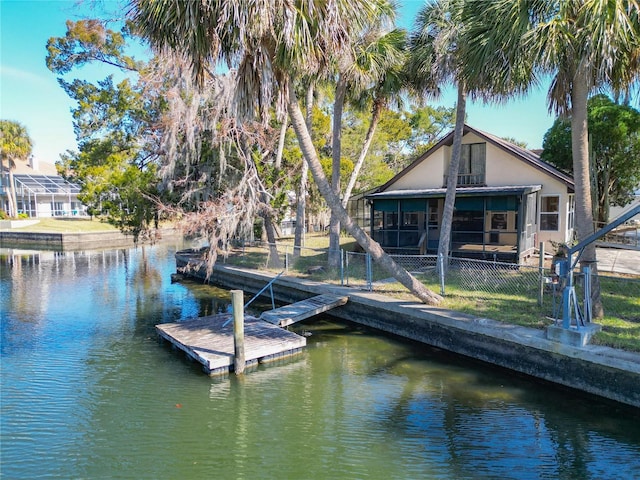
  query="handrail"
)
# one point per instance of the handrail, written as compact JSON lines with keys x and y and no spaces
{"x":268,"y":285}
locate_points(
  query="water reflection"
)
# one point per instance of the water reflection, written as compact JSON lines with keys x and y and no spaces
{"x":88,"y":392}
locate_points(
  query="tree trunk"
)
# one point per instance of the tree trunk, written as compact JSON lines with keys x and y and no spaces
{"x":9,"y":187}
{"x":583,"y":213}
{"x":333,"y":201}
{"x":274,"y":257}
{"x":302,"y":189}
{"x":13,"y":203}
{"x":283,"y":134}
{"x":375,"y":118}
{"x":452,"y":180}
{"x":336,"y":153}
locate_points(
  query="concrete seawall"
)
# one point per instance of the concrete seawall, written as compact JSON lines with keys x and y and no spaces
{"x":65,"y":241}
{"x":602,"y":371}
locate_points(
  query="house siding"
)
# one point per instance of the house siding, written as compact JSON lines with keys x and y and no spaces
{"x":427,"y":174}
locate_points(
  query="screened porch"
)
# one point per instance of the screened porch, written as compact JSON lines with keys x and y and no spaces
{"x":498,"y":222}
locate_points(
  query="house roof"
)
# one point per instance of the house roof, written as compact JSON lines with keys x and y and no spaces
{"x":460,"y":192}
{"x":50,"y":184}
{"x":25,"y":167}
{"x":520,"y":153}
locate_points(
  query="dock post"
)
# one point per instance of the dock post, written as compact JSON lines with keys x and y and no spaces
{"x":237,"y":303}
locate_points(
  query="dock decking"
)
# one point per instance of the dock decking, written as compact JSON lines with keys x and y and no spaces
{"x":209,"y":341}
{"x":289,"y":314}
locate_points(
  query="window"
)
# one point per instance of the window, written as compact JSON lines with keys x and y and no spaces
{"x":434,"y":217}
{"x":390,"y":220}
{"x":57,"y":208}
{"x":410,"y":219}
{"x":499,"y":221}
{"x":571,"y":208}
{"x":472,"y":164}
{"x":549,"y":213}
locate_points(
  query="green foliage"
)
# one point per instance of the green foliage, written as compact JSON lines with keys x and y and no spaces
{"x":15,"y":143}
{"x":515,"y":142}
{"x":614,"y":132}
{"x":88,"y":41}
{"x":400,"y":137}
{"x":114,"y":164}
{"x":4,"y":215}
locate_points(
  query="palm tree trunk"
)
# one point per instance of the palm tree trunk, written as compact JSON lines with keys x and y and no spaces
{"x":375,"y":118}
{"x":13,"y":203}
{"x":452,"y":179}
{"x":584,"y":212}
{"x":333,"y":201}
{"x":302,"y":189}
{"x":336,"y":147}
{"x":283,"y":134}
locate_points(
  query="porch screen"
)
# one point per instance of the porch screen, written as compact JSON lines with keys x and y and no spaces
{"x":502,"y":204}
{"x":470,"y":204}
{"x":413,"y":206}
{"x":385,"y":205}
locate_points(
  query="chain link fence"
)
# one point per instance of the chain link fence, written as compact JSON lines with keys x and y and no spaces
{"x":301,"y":261}
{"x":470,"y":285}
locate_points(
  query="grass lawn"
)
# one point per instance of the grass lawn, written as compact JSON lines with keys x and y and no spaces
{"x":620,"y":295}
{"x":67,"y":225}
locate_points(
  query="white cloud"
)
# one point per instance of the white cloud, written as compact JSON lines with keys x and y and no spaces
{"x":17,"y":74}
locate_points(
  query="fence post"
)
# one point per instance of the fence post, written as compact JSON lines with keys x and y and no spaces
{"x":441,"y":272}
{"x":541,"y":275}
{"x":369,"y":274}
{"x":342,"y":254}
{"x":237,"y":303}
{"x":286,"y":258}
{"x":346,"y":267}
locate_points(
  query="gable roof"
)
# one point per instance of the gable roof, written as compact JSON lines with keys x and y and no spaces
{"x":520,"y":153}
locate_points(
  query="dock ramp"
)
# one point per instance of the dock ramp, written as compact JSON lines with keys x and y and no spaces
{"x":290,"y":314}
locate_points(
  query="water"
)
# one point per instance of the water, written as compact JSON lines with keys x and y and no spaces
{"x":88,"y":392}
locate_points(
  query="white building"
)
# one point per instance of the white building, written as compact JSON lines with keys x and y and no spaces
{"x":40,"y":191}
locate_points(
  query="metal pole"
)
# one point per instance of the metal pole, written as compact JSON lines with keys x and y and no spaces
{"x":237,"y":302}
{"x":541,"y":275}
{"x":568,"y":293}
{"x":587,"y":294}
{"x":286,"y":258}
{"x":441,"y":272}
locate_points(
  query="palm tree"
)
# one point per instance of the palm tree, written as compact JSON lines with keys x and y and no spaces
{"x":15,"y":144}
{"x":373,"y":72}
{"x":584,"y":45}
{"x":269,"y":43}
{"x":301,"y":203}
{"x":435,"y":59}
{"x":386,"y":55}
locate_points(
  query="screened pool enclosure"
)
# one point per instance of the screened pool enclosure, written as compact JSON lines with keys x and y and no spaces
{"x":46,"y":196}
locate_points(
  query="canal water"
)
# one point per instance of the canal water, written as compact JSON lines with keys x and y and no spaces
{"x":89,"y":392}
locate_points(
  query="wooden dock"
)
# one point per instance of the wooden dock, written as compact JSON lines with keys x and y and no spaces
{"x":209,"y":340}
{"x":289,"y":314}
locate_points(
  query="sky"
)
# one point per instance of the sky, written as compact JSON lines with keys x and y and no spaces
{"x":31,"y":95}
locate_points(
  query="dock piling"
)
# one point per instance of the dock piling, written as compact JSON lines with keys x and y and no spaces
{"x":237,"y":303}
